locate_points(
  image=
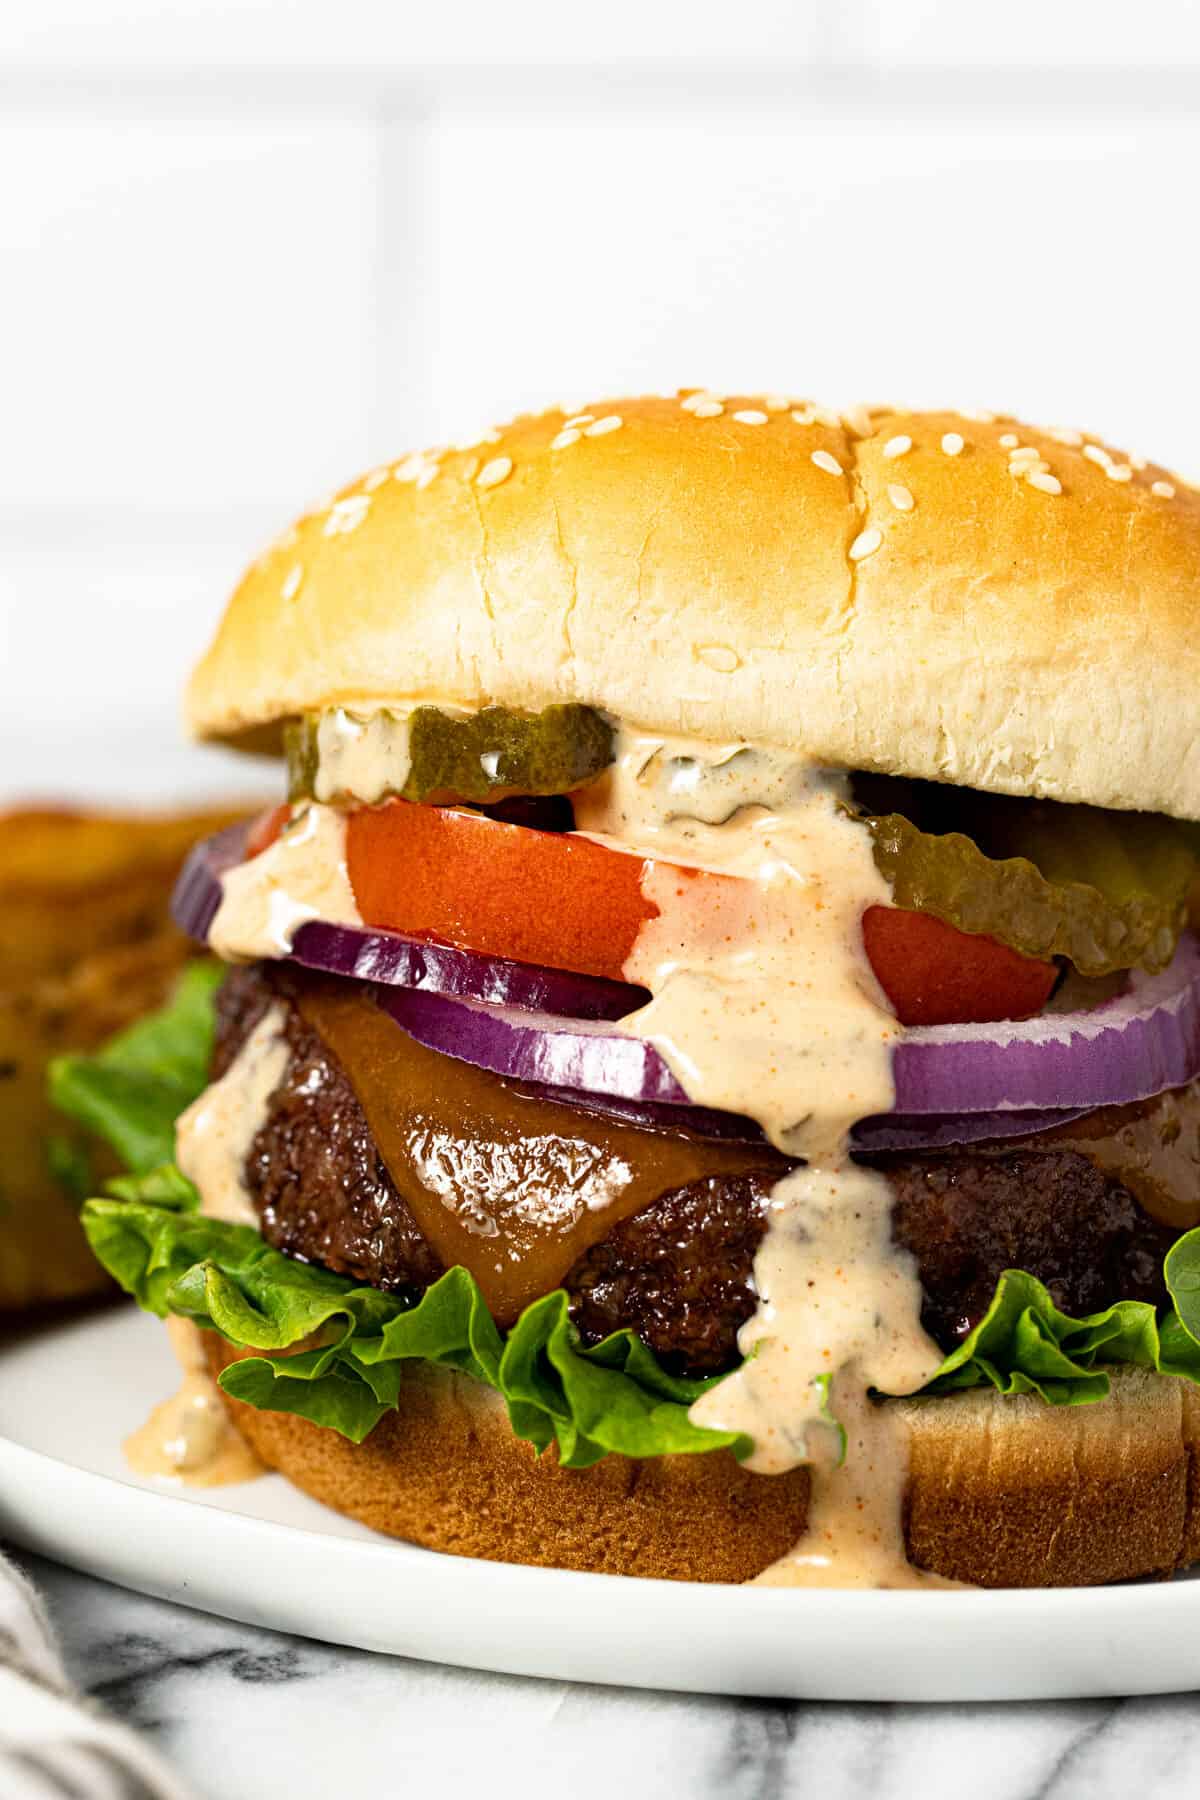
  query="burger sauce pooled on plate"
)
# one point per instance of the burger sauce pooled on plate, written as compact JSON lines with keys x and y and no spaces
{"x":191,"y":1435}
{"x":764,"y":1004}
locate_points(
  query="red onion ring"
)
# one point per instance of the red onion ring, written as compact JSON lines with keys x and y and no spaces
{"x":1140,"y":1043}
{"x":197,"y":893}
{"x":363,"y":953}
{"x":1131,"y":1048}
{"x":554,"y":1052}
{"x":893,"y":1132}
{"x":881,"y":1132}
{"x":395,"y":961}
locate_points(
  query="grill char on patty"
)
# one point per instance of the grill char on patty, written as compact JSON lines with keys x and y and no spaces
{"x":680,"y":1272}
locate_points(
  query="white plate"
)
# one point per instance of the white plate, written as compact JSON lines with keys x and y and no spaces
{"x":266,"y":1554}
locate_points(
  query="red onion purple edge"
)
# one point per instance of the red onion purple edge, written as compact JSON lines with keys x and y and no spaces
{"x":363,"y":953}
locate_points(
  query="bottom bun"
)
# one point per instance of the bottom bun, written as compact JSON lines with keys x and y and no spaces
{"x":1002,"y":1492}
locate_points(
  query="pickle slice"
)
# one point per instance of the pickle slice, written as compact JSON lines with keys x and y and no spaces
{"x":1106,"y":890}
{"x":478,"y":759}
{"x":300,"y":757}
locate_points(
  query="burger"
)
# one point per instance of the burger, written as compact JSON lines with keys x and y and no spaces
{"x":704,"y":1083}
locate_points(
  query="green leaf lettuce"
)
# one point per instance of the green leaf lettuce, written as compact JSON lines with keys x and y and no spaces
{"x":613,"y":1396}
{"x":1025,"y":1345}
{"x":131,"y":1092}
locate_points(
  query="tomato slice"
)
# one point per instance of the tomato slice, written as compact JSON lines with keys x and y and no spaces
{"x":266,"y":828}
{"x":567,"y":903}
{"x":935,"y":975}
{"x":503,"y":890}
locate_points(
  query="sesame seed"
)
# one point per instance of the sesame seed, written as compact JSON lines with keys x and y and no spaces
{"x":776,"y":402}
{"x":953,"y":444}
{"x":1061,"y":436}
{"x":1010,"y":441}
{"x":376,"y":479}
{"x":1164,"y":489}
{"x":825,"y":415}
{"x":719,"y":657}
{"x":803,"y":416}
{"x":700,"y":398}
{"x":830,"y":464}
{"x":1138,"y":463}
{"x":900,"y":497}
{"x":1044,"y":482}
{"x":858,"y":420}
{"x":1119,"y":472}
{"x":708,"y":409}
{"x":578,"y":421}
{"x":1098,"y":454}
{"x":347,"y":515}
{"x":291,"y":585}
{"x":750,"y":417}
{"x":612,"y":422}
{"x":866,"y":544}
{"x":427,"y":475}
{"x":571,"y":435}
{"x":980,"y":417}
{"x":897,"y":446}
{"x":413,"y":466}
{"x":494,"y":472}
{"x":1024,"y":453}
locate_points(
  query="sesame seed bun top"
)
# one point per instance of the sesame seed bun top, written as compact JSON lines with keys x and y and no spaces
{"x":930,"y":594}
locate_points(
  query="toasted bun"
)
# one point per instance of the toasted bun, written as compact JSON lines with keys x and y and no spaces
{"x":695,"y":570}
{"x":1004,"y":1493}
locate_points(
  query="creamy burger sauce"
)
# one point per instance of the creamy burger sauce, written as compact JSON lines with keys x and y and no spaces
{"x":213,"y":1137}
{"x":190,"y":1435}
{"x":301,"y":876}
{"x":362,"y":753}
{"x":765,"y":1004}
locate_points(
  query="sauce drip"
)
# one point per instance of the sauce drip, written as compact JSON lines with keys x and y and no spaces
{"x":191,"y":1436}
{"x":213,"y":1137}
{"x":764,"y":1003}
{"x":839,"y":1314}
{"x":301,"y":876}
{"x":364,"y":755}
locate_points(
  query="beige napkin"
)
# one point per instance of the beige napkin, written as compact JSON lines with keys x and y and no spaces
{"x":54,"y":1744}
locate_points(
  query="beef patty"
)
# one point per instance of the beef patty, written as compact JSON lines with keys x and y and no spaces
{"x":680,"y":1272}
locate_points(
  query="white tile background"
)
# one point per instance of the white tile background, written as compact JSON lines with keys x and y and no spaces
{"x":248,"y":248}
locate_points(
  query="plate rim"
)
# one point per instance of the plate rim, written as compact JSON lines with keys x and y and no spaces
{"x":41,"y":1488}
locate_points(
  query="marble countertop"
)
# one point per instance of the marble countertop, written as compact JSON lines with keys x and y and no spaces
{"x":245,"y":1714}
